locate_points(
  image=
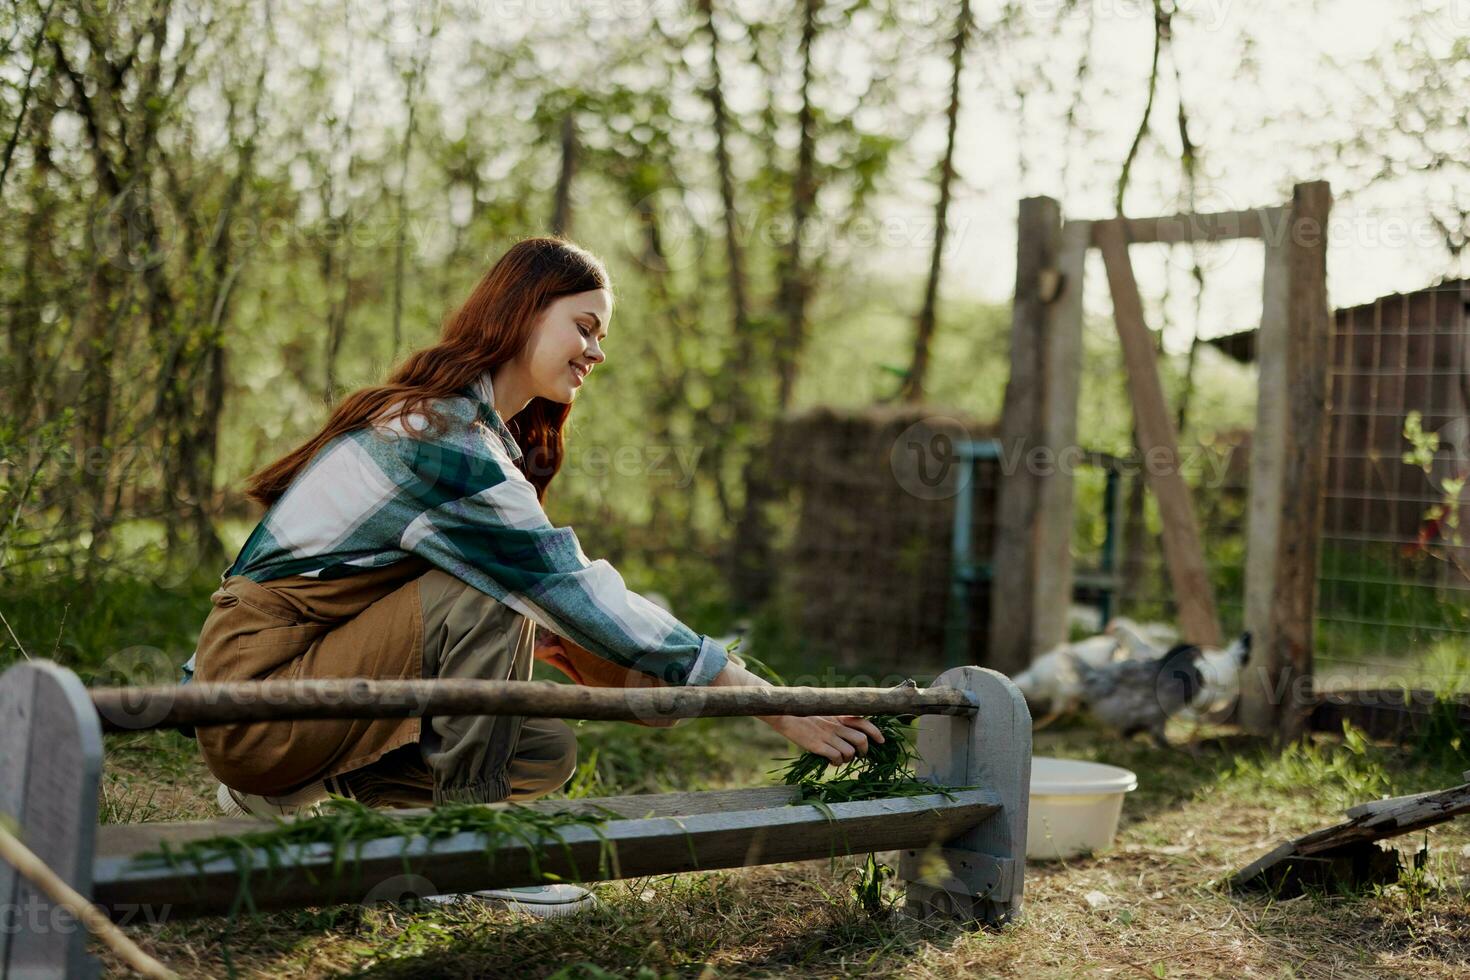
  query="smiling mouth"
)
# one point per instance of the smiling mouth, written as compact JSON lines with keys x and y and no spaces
{"x":578,"y":373}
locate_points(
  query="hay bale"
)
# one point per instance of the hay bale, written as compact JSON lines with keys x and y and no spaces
{"x":867,"y":566}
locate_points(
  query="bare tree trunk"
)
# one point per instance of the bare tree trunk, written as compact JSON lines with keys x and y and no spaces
{"x":107,"y":304}
{"x":749,"y":557}
{"x":561,"y":215}
{"x":795,"y":289}
{"x":26,"y":347}
{"x":913,"y":385}
{"x":25,"y":96}
{"x":1134,"y":564}
{"x":412,"y":89}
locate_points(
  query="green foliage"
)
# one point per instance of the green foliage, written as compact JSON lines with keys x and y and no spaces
{"x":885,"y":770}
{"x":1339,"y":773}
{"x":131,"y":629}
{"x":1423,"y":449}
{"x":1416,"y":884}
{"x":868,"y":886}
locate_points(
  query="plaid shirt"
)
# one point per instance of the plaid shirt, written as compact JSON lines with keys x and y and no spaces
{"x":456,"y":498}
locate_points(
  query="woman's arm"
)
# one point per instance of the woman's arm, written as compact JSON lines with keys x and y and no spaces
{"x":837,"y":738}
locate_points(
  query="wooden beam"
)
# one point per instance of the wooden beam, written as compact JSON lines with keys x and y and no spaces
{"x":123,"y":840}
{"x":1267,"y":463}
{"x":1207,"y":226}
{"x":1367,"y":823}
{"x":1276,"y":687}
{"x":50,"y":767}
{"x":387,"y":869}
{"x":1013,"y":599}
{"x":169,"y":706}
{"x":1157,"y":440}
{"x":1308,"y":356}
{"x":1061,"y":360}
{"x":986,"y":865}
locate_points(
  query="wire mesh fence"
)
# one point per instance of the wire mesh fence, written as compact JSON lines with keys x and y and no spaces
{"x":1394,"y":585}
{"x":880,"y":556}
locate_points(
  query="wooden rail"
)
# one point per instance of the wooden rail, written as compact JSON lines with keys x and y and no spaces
{"x":746,"y":831}
{"x":169,"y":706}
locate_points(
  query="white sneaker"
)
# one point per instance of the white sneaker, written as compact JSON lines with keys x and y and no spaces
{"x":299,"y":804}
{"x":542,"y":901}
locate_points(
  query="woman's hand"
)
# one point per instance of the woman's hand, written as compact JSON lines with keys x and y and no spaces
{"x":836,"y":738}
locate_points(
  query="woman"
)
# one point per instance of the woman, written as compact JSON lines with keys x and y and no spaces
{"x":407,"y":539}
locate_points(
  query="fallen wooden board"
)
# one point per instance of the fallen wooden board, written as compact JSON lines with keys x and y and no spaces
{"x":388,"y":869}
{"x":1346,"y":853}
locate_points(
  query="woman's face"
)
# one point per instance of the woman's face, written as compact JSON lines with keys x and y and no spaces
{"x":565,"y":344}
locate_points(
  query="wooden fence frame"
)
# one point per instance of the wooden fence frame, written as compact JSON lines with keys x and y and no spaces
{"x":963,"y":852}
{"x":1288,"y":454}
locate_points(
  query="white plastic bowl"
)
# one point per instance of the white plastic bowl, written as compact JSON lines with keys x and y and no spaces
{"x":1074,"y":807}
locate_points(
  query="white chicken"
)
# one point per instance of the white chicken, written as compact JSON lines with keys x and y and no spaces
{"x":1195,"y":683}
{"x":1052,"y":685}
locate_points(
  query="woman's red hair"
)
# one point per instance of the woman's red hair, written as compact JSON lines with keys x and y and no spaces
{"x":490,"y":328}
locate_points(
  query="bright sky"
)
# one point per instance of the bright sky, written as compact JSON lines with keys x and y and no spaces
{"x":1380,"y":242}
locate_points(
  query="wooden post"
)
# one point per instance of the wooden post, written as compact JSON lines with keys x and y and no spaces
{"x":977,"y":876}
{"x":1263,"y":516}
{"x":1061,"y":382}
{"x":1288,"y":468}
{"x":1158,"y":443}
{"x":1013,"y":594}
{"x":50,"y":768}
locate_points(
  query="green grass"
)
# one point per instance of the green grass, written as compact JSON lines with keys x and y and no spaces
{"x":118,"y":626}
{"x":1194,"y":819}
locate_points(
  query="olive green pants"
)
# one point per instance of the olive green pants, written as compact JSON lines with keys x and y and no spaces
{"x":405,"y":621}
{"x":481,"y":758}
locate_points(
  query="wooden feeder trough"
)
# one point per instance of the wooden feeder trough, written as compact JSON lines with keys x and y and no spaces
{"x":963,"y":851}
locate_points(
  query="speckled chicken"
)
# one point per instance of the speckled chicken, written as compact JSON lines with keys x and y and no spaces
{"x":1051,"y":684}
{"x":1188,"y":681}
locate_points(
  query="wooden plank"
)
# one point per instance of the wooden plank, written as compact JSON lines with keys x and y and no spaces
{"x":17,"y":687}
{"x":1208,"y":226}
{"x":1011,"y":643}
{"x":1194,"y":596}
{"x":992,"y":750}
{"x":1061,"y":384}
{"x":1267,"y":463}
{"x":1367,"y":823}
{"x":659,"y":845}
{"x":56,"y":815}
{"x":171,"y":705}
{"x":121,"y":840}
{"x":1288,"y":654}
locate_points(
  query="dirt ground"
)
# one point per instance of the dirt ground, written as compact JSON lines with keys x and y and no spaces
{"x":1150,"y":906}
